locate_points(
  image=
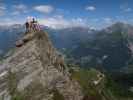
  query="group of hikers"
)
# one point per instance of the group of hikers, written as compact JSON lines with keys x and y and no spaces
{"x":32,"y":25}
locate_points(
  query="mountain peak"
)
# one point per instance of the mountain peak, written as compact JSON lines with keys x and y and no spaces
{"x":36,"y":69}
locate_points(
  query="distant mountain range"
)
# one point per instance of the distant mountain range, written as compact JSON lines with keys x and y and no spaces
{"x":62,"y":38}
{"x":70,"y":37}
{"x":111,"y":47}
{"x":8,"y":36}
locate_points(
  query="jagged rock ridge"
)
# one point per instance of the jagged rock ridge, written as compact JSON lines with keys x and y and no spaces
{"x":35,"y":71}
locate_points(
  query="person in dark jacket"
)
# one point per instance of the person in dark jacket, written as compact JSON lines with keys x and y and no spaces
{"x":27,"y":25}
{"x":34,"y":24}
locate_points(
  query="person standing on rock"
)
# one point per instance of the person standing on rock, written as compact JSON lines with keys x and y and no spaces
{"x":27,"y":25}
{"x":35,"y":25}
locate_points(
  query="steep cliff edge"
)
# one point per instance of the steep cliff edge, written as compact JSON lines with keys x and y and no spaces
{"x":36,"y":71}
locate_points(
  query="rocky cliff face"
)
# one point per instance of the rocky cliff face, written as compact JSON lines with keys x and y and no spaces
{"x":36,"y":71}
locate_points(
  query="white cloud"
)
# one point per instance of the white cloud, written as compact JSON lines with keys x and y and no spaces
{"x":56,"y":22}
{"x":127,"y":10}
{"x":11,"y":21}
{"x":90,"y":8}
{"x":60,"y":22}
{"x":125,"y":7}
{"x":2,"y":12}
{"x":18,"y":9}
{"x":2,"y":9}
{"x":15,"y":13}
{"x":44,"y":8}
{"x":108,"y":20}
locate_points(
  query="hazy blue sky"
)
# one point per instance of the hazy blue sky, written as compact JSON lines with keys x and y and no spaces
{"x":67,"y":13}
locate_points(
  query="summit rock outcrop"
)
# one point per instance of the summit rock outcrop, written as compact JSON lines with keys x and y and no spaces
{"x":36,"y":71}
